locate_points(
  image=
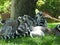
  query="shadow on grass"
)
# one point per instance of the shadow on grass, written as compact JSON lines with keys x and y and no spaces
{"x":22,"y":41}
{"x":56,"y":40}
{"x":53,"y":40}
{"x":47,"y":40}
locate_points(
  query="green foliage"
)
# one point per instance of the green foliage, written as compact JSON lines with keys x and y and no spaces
{"x":1,"y":8}
{"x":5,"y":5}
{"x":52,"y":6}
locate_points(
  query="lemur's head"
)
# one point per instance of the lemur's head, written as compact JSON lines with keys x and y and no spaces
{"x":20,"y":19}
{"x":39,"y":13}
{"x":25,"y":17}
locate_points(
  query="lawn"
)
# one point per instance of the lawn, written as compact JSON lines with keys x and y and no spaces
{"x":46,"y":40}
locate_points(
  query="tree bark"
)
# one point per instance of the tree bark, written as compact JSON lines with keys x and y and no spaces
{"x":21,"y":7}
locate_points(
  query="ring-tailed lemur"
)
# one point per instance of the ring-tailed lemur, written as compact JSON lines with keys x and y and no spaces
{"x":40,"y":19}
{"x":9,"y":28}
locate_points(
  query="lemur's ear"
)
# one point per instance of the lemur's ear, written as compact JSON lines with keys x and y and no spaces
{"x":3,"y":21}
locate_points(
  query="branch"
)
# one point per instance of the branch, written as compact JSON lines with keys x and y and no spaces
{"x":48,"y":16}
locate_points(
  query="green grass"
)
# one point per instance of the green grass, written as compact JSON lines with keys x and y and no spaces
{"x":52,"y":25}
{"x":46,"y":40}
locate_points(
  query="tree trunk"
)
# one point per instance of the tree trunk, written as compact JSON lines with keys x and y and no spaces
{"x":21,"y":7}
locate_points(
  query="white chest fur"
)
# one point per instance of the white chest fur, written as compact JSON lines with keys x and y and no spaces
{"x":37,"y":31}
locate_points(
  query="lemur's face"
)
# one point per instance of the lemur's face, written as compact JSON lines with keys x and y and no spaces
{"x":20,"y":19}
{"x":39,"y":15}
{"x":25,"y":17}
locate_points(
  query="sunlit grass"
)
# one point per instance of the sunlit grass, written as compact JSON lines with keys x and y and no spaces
{"x":52,"y":25}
